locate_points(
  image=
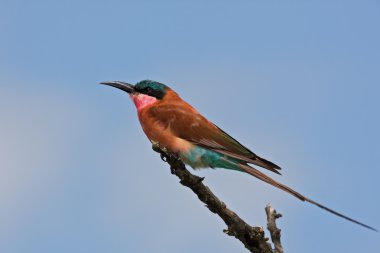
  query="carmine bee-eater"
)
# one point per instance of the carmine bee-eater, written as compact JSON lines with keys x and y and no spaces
{"x":174,"y":125}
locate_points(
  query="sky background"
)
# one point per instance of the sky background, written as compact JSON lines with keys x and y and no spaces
{"x":296,"y":82}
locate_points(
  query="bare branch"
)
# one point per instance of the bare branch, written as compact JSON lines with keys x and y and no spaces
{"x":275,"y":233}
{"x":253,"y":238}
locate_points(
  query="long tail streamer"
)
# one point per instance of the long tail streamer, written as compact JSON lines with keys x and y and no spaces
{"x":258,"y":174}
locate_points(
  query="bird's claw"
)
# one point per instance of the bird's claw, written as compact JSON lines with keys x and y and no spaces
{"x":163,"y":157}
{"x":174,"y":156}
{"x":156,"y":147}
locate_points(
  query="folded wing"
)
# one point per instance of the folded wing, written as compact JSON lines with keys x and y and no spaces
{"x":187,"y":123}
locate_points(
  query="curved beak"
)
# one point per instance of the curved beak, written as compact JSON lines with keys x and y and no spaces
{"x":121,"y":85}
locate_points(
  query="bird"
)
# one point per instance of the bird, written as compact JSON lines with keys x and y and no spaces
{"x":175,"y":126}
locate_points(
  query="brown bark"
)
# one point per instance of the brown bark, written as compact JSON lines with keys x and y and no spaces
{"x":253,"y":238}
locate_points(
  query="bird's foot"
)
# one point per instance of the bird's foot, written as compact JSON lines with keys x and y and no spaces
{"x":159,"y":149}
{"x":164,"y":153}
{"x":163,"y":157}
{"x":170,"y":156}
{"x":156,"y":147}
{"x":174,"y":156}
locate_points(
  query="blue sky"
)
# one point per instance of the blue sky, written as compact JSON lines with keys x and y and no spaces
{"x":296,"y":82}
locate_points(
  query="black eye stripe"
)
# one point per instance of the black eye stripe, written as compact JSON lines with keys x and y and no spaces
{"x":150,"y":91}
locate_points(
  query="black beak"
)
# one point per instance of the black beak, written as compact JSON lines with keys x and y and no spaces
{"x":121,"y":85}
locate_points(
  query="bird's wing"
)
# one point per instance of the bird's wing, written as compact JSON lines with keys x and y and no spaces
{"x":187,"y":123}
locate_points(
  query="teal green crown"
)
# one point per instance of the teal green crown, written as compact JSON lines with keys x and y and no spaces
{"x":151,"y":84}
{"x":151,"y":88}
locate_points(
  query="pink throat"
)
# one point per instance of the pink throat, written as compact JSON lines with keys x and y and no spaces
{"x":142,"y":100}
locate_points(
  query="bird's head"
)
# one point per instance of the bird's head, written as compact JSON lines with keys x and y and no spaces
{"x":144,"y":93}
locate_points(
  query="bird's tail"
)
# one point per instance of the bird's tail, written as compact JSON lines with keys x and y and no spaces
{"x":258,"y":174}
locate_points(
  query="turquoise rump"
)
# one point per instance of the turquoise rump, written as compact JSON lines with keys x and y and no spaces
{"x":198,"y":157}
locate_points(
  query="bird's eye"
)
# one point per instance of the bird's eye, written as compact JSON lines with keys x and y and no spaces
{"x":148,"y":89}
